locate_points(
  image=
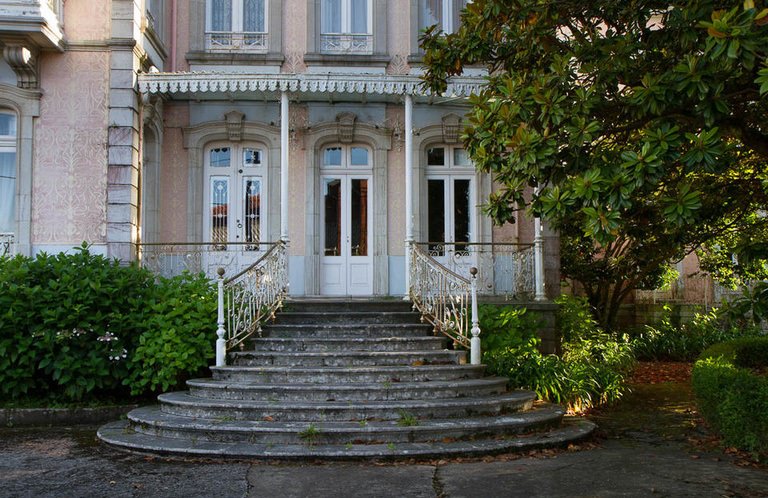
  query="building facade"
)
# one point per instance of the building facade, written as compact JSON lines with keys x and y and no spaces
{"x":193,"y":134}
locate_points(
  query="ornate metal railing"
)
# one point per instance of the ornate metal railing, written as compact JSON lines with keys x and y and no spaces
{"x":169,"y":259}
{"x":346,"y":44}
{"x":236,"y":41}
{"x":7,"y":244}
{"x":249,"y":298}
{"x":505,"y":269}
{"x":445,"y":299}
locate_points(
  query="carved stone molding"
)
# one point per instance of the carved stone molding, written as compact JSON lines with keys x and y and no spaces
{"x":346,"y":122}
{"x":234,"y":121}
{"x":23,"y":61}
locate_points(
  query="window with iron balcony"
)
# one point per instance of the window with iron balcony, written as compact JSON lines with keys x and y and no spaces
{"x":236,"y":26}
{"x":345,"y":27}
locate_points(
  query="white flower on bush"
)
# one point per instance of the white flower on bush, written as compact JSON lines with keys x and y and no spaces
{"x":108,"y":337}
{"x":119,"y":355}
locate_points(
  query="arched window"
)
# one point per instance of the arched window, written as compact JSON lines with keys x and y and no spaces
{"x":8,"y":136}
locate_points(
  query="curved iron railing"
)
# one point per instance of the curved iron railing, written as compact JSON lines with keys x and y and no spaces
{"x":442,"y":296}
{"x":251,"y":297}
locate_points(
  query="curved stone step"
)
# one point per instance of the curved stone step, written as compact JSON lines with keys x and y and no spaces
{"x":352,"y":358}
{"x":341,"y":375}
{"x":346,"y":305}
{"x":152,"y":421}
{"x":343,"y":330}
{"x":329,"y":317}
{"x":120,"y":435}
{"x":186,"y":405}
{"x":211,"y":389}
{"x":324,"y":344}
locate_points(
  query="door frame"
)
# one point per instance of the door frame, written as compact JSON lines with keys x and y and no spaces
{"x":348,"y":261}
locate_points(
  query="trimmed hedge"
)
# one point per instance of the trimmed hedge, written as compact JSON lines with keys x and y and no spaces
{"x":733,"y":398}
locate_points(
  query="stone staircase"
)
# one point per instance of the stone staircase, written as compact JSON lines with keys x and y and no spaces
{"x":345,"y":380}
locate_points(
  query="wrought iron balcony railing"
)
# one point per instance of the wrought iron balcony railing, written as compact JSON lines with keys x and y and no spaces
{"x":346,"y":44}
{"x":236,"y":41}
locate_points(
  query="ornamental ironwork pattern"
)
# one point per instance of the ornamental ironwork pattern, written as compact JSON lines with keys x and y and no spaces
{"x":346,"y":44}
{"x":255,"y":294}
{"x":7,"y":244}
{"x":505,"y":269}
{"x":236,"y":41}
{"x":171,"y":259}
{"x":442,"y":296}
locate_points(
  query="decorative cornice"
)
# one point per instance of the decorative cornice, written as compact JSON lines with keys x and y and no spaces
{"x":201,"y":82}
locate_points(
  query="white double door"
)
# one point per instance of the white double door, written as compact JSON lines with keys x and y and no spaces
{"x":346,"y":217}
{"x":450,"y":221}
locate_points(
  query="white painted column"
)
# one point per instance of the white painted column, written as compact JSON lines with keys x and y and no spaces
{"x":408,"y":189}
{"x":284,"y":166}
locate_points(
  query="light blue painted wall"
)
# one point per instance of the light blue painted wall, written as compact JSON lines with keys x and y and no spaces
{"x":296,"y":275}
{"x":260,"y":112}
{"x":396,"y":275}
{"x":369,"y":113}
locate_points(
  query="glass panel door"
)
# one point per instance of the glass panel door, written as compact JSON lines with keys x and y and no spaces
{"x":450,"y":215}
{"x":346,"y":262}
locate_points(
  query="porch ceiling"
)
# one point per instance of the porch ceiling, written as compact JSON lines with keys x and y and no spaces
{"x":306,"y":87}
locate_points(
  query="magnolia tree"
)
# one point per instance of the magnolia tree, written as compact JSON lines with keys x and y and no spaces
{"x":642,"y":124}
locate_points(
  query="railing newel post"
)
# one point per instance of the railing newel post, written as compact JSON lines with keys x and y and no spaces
{"x":475,"y":352}
{"x":221,"y":342}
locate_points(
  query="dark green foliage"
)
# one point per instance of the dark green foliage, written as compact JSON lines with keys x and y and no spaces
{"x":642,"y":124}
{"x":591,"y":372}
{"x":751,"y":308}
{"x":731,"y":397}
{"x":668,"y":341}
{"x":177,"y":335}
{"x":72,"y":324}
{"x":507,"y":326}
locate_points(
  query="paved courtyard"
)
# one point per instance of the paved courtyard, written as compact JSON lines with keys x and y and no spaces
{"x":645,"y":449}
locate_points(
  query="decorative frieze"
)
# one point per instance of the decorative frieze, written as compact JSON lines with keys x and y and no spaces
{"x":306,"y":83}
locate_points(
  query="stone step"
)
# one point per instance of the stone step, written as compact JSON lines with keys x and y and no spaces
{"x":345,"y":375}
{"x":274,"y":393}
{"x":324,"y":344}
{"x":343,"y":330}
{"x":152,"y":421}
{"x":352,"y":358}
{"x":185,"y":405}
{"x":121,"y":435}
{"x":347,"y":305}
{"x":352,"y":317}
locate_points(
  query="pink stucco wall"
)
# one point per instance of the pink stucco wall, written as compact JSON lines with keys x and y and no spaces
{"x":87,"y":20}
{"x":70,"y":156}
{"x":174,"y":174}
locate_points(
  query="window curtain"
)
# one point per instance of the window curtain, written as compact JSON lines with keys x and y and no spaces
{"x":359,"y":17}
{"x":458,"y":6}
{"x":330,"y":20}
{"x":431,"y":13}
{"x":253,"y":16}
{"x":221,"y":15}
{"x":7,"y":192}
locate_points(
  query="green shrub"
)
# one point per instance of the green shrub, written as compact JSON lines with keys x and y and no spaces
{"x":74,"y":326}
{"x":506,"y":326}
{"x":591,"y":372}
{"x":667,"y":341}
{"x":177,"y":337}
{"x":731,"y":397}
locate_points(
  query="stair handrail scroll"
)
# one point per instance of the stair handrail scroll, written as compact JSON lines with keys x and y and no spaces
{"x":249,"y":298}
{"x":446,"y":300}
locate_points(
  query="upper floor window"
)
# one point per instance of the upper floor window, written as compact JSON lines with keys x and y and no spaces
{"x":345,"y":27}
{"x":445,"y":13}
{"x":155,"y":17}
{"x":236,"y":25}
{"x":7,"y":180}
